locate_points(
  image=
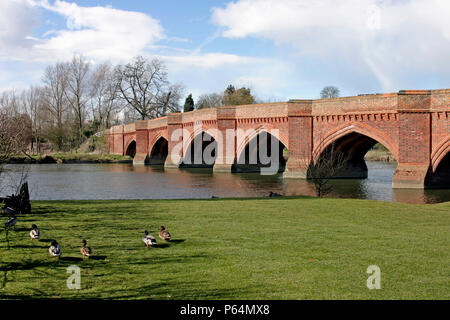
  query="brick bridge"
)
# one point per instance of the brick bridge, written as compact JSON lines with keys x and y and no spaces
{"x":413,"y":125}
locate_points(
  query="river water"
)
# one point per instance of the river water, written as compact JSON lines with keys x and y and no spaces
{"x":124,"y":181}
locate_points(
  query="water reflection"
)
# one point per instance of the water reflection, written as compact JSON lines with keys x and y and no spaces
{"x":123,"y":181}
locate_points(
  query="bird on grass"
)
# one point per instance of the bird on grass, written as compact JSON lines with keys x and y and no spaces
{"x":11,"y":222}
{"x":272,"y":194}
{"x":55,"y":250}
{"x":149,"y":240}
{"x":164,"y":234}
{"x":85,"y":250}
{"x":35,"y":234}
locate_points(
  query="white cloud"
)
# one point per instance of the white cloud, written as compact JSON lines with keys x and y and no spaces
{"x":97,"y":32}
{"x":17,"y":21}
{"x":212,"y":72}
{"x":104,"y":33}
{"x":394,"y":40}
{"x":210,"y":60}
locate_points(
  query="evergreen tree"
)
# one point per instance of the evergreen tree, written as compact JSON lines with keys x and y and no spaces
{"x":230,"y":90}
{"x":237,"y":97}
{"x":189,"y":104}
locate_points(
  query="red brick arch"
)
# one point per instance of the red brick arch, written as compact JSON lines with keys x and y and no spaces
{"x":440,"y":153}
{"x":128,"y":140}
{"x":155,"y":140}
{"x":254,"y":133}
{"x":355,"y":127}
{"x":211,"y":132}
{"x":132,"y":152}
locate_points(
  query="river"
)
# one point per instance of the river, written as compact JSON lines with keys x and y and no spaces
{"x":124,"y":181}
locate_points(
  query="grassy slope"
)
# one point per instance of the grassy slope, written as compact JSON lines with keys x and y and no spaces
{"x":233,"y":249}
{"x":89,"y":156}
{"x":67,"y":157}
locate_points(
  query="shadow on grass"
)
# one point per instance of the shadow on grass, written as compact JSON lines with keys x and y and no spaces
{"x":44,"y":210}
{"x":178,"y":290}
{"x":25,"y":265}
{"x":32,"y":264}
{"x":161,"y":246}
{"x":175,"y":288}
{"x":22,"y":246}
{"x":85,"y":207}
{"x":15,"y":297}
{"x":20,"y":229}
{"x":45,"y":240}
{"x":166,"y":260}
{"x":71,"y":259}
{"x":177,"y":241}
{"x":98,"y":258}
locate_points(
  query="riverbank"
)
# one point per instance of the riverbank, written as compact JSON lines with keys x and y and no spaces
{"x":70,"y":158}
{"x":372,"y":155}
{"x":379,"y":156}
{"x":273,"y":248}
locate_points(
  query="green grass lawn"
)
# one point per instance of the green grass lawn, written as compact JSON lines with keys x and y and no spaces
{"x":278,"y":248}
{"x":66,"y":156}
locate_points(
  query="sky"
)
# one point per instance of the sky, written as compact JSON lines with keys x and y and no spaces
{"x":281,"y":49}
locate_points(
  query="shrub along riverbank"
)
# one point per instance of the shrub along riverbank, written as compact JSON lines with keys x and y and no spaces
{"x":274,"y":248}
{"x":70,"y":158}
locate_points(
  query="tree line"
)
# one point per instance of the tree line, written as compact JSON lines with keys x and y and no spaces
{"x":233,"y":96}
{"x":77,"y":99}
{"x":230,"y":97}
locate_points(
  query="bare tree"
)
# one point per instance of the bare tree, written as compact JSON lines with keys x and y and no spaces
{"x":77,"y":91}
{"x":12,"y":134}
{"x":144,"y":86}
{"x":10,"y":101}
{"x":169,"y":100}
{"x":104,"y":95}
{"x":329,"y":92}
{"x":325,"y":166}
{"x":15,"y":132}
{"x":59,"y":112}
{"x":56,"y":83}
{"x":212,"y":100}
{"x":32,"y":101}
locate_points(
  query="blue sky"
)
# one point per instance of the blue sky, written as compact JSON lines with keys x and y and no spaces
{"x":282,"y":49}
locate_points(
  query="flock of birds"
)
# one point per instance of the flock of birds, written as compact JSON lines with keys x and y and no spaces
{"x":55,"y":250}
{"x":150,"y":240}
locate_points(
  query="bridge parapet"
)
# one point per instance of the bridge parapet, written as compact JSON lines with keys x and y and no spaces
{"x":129,"y":128}
{"x":365,"y":104}
{"x":299,"y":108}
{"x":440,"y":100}
{"x":226,"y":113}
{"x":264,"y":110}
{"x":116,"y":129}
{"x":202,"y":114}
{"x":157,"y":123}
